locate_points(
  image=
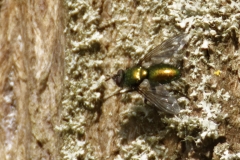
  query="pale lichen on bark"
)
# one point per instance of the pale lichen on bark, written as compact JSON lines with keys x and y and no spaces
{"x":105,"y":36}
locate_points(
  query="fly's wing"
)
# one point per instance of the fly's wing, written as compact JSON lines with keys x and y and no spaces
{"x":166,"y":50}
{"x":160,"y":97}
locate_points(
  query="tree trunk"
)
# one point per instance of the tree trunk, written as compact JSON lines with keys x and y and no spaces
{"x":62,"y":106}
{"x":31,"y":55}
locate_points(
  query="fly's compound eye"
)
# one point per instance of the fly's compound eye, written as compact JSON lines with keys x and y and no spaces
{"x":119,"y":77}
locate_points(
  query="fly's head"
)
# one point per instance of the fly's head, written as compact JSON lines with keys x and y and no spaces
{"x":119,"y":78}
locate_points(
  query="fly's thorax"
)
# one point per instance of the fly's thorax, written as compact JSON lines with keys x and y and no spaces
{"x":134,"y":76}
{"x":163,"y":73}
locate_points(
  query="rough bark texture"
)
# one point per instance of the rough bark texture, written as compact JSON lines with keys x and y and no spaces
{"x":105,"y":36}
{"x":102,"y":37}
{"x":31,"y":58}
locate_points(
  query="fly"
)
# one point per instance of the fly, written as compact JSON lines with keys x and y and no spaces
{"x":151,"y":72}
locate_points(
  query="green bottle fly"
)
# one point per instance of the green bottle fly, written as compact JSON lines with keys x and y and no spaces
{"x":156,"y":74}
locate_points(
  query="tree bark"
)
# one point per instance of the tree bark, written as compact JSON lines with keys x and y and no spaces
{"x":31,"y":56}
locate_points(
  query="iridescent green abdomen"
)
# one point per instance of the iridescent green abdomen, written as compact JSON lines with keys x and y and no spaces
{"x":134,"y":76}
{"x":163,"y":73}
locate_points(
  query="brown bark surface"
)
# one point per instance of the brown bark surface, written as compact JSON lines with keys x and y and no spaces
{"x":31,"y":58}
{"x":103,"y":37}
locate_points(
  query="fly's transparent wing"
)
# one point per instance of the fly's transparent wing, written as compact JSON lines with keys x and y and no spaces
{"x":168,"y":49}
{"x":160,"y":97}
